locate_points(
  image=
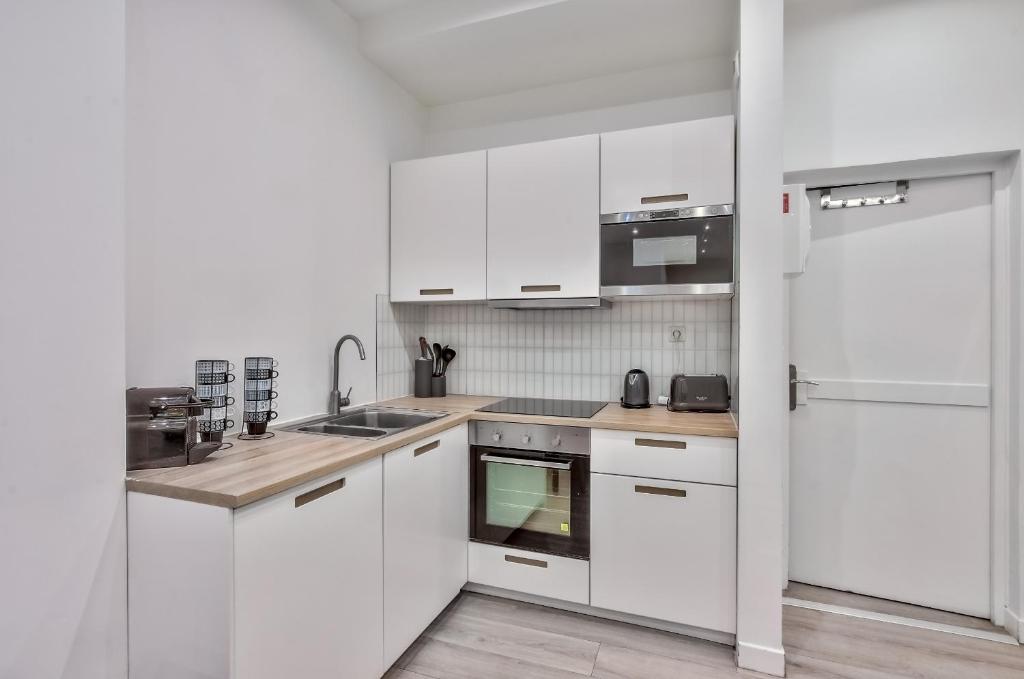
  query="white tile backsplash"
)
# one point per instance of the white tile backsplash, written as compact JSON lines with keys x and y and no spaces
{"x":582,"y":354}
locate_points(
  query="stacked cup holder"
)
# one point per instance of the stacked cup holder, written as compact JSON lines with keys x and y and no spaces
{"x":260,"y":383}
{"x":213,"y":381}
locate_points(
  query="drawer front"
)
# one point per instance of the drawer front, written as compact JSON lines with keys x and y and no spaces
{"x":664,"y":550}
{"x":556,"y":577}
{"x":701,"y":459}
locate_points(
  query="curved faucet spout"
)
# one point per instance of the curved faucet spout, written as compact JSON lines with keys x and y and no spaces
{"x":336,"y":402}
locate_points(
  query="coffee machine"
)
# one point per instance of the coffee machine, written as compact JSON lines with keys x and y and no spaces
{"x":162,"y":427}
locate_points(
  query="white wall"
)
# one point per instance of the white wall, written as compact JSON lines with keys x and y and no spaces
{"x":62,"y":517}
{"x":259,"y":143}
{"x":882,"y":81}
{"x":762,"y":363}
{"x":687,"y":91}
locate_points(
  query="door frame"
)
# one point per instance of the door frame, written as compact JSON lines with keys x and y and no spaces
{"x":1004,"y":381}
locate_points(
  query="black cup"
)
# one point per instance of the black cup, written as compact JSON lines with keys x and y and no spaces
{"x":260,"y":373}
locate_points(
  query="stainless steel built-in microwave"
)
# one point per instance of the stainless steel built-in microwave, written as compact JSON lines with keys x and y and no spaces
{"x":680,"y":251}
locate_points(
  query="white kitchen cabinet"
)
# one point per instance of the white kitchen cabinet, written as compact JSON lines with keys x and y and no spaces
{"x":307,"y":580}
{"x":543,"y":220}
{"x":685,"y":164}
{"x":517,"y":570}
{"x":703,"y":459}
{"x":439,"y":228}
{"x":426,"y":524}
{"x":664,"y":550}
{"x":287,"y":586}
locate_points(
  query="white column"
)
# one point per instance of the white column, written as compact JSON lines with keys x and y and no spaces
{"x":762,"y":363}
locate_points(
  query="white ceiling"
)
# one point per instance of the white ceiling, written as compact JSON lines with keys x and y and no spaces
{"x":445,"y":51}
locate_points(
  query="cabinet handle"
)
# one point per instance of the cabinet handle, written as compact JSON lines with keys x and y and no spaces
{"x":655,"y":490}
{"x":537,"y":563}
{"x":437,"y":291}
{"x":426,"y":448}
{"x":540,"y":288}
{"x":667,"y":198}
{"x":318,"y":493}
{"x":659,"y":443}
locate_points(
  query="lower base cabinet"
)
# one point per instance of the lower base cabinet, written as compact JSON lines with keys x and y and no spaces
{"x":664,"y":550}
{"x":426,"y":524}
{"x":289,"y":586}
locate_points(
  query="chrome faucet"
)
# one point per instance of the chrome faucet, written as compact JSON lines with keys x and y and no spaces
{"x":337,"y":401}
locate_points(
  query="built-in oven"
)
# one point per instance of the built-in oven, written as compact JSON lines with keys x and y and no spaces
{"x":530,"y":487}
{"x":680,"y":251}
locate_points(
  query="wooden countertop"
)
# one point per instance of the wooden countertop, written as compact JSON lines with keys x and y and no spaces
{"x":253,"y":470}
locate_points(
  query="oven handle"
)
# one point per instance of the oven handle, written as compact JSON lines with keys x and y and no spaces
{"x":525,"y":462}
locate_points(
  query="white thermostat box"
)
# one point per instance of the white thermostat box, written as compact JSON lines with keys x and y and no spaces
{"x":796,"y":229}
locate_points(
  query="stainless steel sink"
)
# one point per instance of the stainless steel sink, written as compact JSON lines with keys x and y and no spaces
{"x":366,"y":422}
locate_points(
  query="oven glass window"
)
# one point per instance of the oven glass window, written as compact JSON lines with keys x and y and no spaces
{"x":529,"y":498}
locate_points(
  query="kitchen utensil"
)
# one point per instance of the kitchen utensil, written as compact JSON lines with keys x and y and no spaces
{"x":438,"y":386}
{"x":424,"y":349}
{"x":437,"y":358}
{"x":423,"y":371}
{"x":447,"y":356}
{"x":636,"y":390}
{"x":699,"y":393}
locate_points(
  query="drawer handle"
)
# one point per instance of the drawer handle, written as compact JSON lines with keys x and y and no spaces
{"x":659,"y":443}
{"x":318,"y":493}
{"x":655,"y":490}
{"x":536,"y":563}
{"x":426,"y":448}
{"x":437,"y":291}
{"x":667,"y":198}
{"x":540,"y":288}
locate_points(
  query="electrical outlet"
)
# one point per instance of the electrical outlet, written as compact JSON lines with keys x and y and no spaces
{"x":677,"y":334}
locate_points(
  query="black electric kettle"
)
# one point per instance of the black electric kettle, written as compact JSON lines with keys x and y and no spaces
{"x":636,"y":390}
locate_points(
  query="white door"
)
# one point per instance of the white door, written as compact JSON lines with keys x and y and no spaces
{"x":890,"y":456}
{"x":542,"y":220}
{"x":308,"y":591}
{"x":439,"y":228}
{"x":667,"y":166}
{"x":426,"y":534}
{"x":664,"y":550}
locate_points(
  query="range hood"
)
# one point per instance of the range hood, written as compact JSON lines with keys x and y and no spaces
{"x":551,"y":303}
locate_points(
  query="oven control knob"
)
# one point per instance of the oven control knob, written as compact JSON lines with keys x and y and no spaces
{"x":496,"y":436}
{"x":557,"y":441}
{"x":526,"y":439}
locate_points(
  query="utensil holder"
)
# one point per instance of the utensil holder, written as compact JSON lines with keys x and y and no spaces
{"x":422,"y":377}
{"x":439,"y":386}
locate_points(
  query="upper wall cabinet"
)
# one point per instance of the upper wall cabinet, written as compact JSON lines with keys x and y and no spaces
{"x":439,"y":228}
{"x":668,"y":166}
{"x":543,"y":220}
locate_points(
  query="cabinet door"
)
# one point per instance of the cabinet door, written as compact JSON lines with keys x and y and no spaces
{"x":308,"y":590}
{"x":542,"y":220}
{"x":439,"y":228}
{"x":426,"y":522}
{"x":679,"y":165}
{"x":664,"y":550}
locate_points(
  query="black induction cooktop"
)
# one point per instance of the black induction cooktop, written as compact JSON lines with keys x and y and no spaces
{"x":551,"y":407}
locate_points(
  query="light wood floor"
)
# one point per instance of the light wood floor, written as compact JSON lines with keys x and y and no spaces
{"x":823,"y":595}
{"x":485,"y":637}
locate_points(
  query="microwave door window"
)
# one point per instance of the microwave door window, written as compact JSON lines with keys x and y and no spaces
{"x":671,"y":251}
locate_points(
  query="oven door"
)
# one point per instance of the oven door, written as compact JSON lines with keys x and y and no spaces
{"x":674,"y":256}
{"x":531,"y":500}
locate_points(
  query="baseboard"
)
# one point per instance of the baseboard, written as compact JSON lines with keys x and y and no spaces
{"x":1014,"y":625}
{"x":761,"y":659}
{"x":676,"y":628}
